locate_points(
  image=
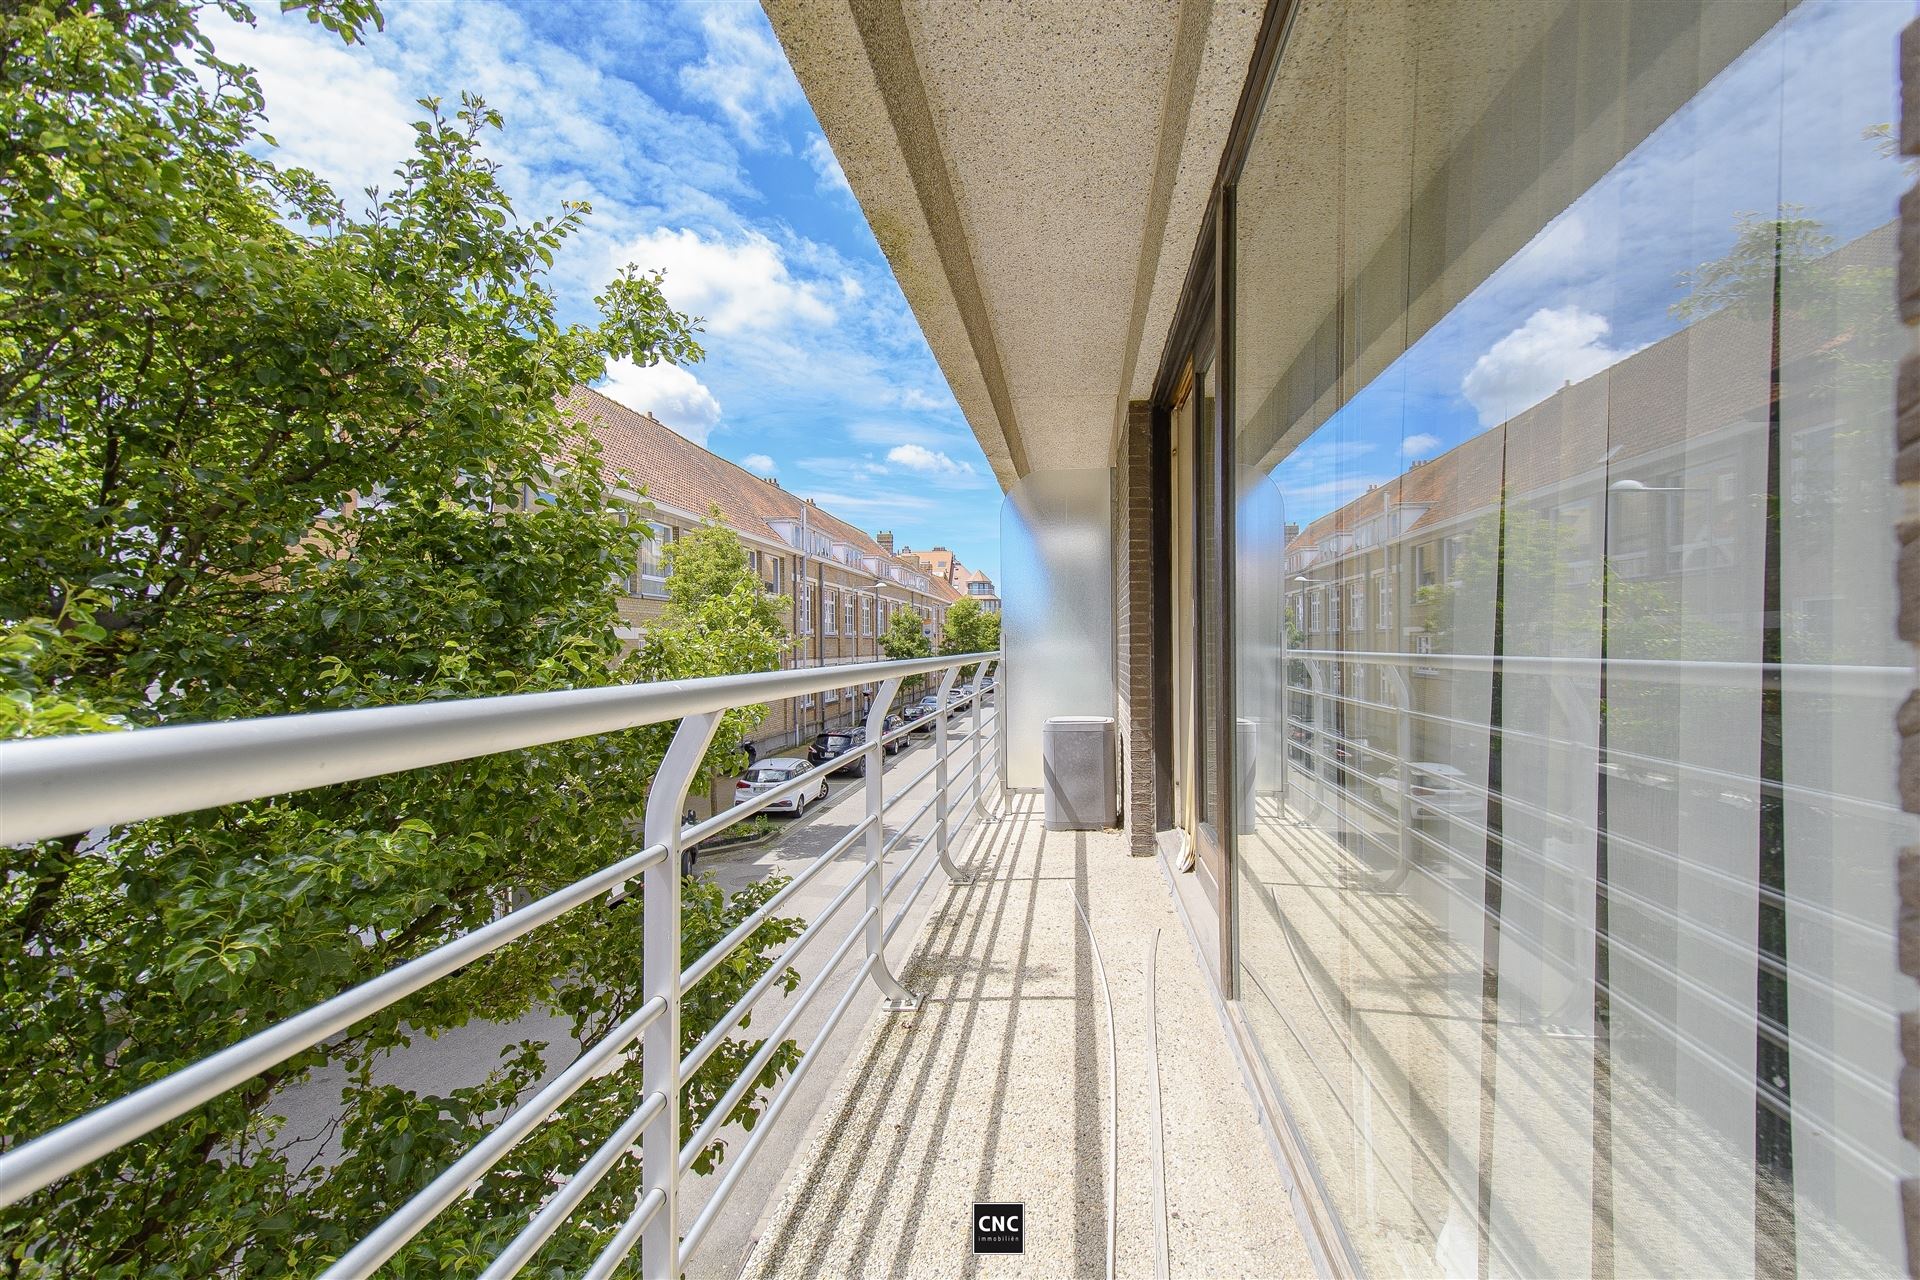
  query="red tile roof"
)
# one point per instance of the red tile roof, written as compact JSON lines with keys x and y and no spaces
{"x":676,"y":472}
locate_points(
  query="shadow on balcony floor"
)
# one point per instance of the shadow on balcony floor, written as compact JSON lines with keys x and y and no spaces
{"x":996,"y":1090}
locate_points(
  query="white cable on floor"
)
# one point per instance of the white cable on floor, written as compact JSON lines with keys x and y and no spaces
{"x":1160,"y":1260}
{"x":1113,"y":1093}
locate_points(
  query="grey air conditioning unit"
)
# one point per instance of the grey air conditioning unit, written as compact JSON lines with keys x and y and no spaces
{"x":1078,"y":759}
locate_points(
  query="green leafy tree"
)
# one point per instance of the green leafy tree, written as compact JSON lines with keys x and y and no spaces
{"x":718,"y":621}
{"x":266,"y":456}
{"x":906,"y":637}
{"x":969,"y":629}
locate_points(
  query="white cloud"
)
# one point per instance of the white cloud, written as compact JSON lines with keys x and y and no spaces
{"x":876,"y":501}
{"x":734,"y":286}
{"x":332,"y":109}
{"x":827,"y":166}
{"x":915,"y":398}
{"x":668,"y":392}
{"x":1556,"y":346}
{"x":1414,"y":446}
{"x":1325,"y":495}
{"x":759,"y":463}
{"x":744,"y":73}
{"x":928,"y":461}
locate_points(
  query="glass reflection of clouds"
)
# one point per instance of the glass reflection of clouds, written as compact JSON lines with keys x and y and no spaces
{"x":1564,"y":337}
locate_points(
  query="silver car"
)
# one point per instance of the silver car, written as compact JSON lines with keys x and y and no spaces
{"x":768,"y":774}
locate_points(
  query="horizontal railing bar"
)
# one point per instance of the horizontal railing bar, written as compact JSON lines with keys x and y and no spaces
{"x":522,"y":1248}
{"x":907,"y":865}
{"x":697,"y":1232}
{"x":717,"y":1117}
{"x":629,"y":1234}
{"x":900,"y":833}
{"x":1858,"y":679}
{"x":79,"y":1142}
{"x":426,"y":1204}
{"x":899,"y":917}
{"x":59,"y":786}
{"x":918,"y":778}
{"x":712,"y":956}
{"x":698,"y":1055}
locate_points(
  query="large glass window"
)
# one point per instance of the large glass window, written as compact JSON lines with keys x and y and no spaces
{"x":1563,"y":910}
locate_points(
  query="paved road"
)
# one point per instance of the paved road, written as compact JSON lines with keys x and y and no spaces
{"x":463,"y":1056}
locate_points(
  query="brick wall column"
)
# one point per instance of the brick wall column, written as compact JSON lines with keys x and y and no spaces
{"x":1133,"y":571}
{"x":1907,"y":474}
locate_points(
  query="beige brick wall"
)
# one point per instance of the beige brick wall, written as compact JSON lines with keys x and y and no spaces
{"x":1133,"y":571}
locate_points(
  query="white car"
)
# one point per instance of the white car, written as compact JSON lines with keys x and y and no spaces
{"x":1431,"y":789}
{"x":768,"y":774}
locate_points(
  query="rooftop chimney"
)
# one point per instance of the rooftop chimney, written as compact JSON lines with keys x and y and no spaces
{"x":1291,"y":532}
{"x":885,"y":539}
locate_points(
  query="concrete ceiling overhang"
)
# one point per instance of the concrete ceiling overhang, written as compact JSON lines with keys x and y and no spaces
{"x":1037,"y":175}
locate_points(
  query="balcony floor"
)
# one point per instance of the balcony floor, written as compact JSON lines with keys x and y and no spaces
{"x":996,"y":1089}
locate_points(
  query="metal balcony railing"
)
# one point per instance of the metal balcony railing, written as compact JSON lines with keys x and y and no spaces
{"x":60,"y":786}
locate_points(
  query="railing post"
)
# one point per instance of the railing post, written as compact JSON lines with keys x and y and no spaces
{"x":898,"y":998}
{"x":979,"y":731}
{"x":660,"y":976}
{"x":940,"y":806}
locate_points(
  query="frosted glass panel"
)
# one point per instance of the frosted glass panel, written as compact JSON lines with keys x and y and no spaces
{"x":1565,"y":342}
{"x":1057,"y":613}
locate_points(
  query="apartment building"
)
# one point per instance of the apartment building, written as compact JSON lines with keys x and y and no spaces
{"x":842,"y":585}
{"x":945,"y":565}
{"x":1455,"y":439}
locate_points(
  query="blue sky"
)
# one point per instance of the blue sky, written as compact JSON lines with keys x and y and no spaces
{"x":684,"y":127}
{"x":1785,"y":124}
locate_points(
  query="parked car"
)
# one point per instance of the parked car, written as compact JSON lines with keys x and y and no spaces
{"x":768,"y":774}
{"x":925,"y":713}
{"x":1432,"y":790}
{"x":840,"y":744}
{"x":895,"y":746}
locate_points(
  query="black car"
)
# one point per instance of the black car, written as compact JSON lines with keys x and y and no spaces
{"x":894,"y":746}
{"x":837,"y":744}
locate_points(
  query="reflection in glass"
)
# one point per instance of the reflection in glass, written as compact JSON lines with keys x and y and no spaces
{"x":1563,"y":631}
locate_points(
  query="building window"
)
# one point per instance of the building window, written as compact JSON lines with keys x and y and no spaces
{"x":831,"y":617}
{"x":866,"y":615}
{"x":652,"y":561}
{"x":806,"y":606}
{"x":1646,"y":1022}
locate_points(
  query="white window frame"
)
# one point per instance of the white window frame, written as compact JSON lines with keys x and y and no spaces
{"x":830,"y":623}
{"x":1383,"y":601}
{"x":806,"y":612}
{"x":1357,"y":604}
